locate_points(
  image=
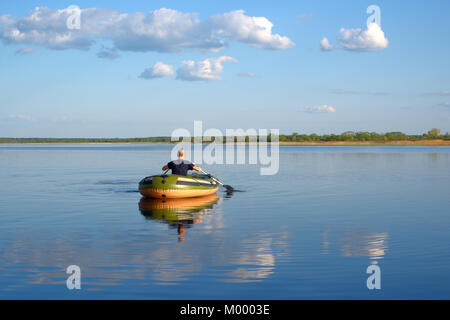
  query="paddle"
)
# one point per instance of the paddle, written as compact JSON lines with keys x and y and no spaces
{"x":229,"y":188}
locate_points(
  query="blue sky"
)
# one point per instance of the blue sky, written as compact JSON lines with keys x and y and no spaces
{"x":399,"y":79}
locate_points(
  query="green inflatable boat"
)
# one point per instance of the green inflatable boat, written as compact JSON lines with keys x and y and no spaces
{"x":175,"y":186}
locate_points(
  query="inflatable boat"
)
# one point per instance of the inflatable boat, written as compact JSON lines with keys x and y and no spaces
{"x":175,"y":186}
{"x":174,"y":211}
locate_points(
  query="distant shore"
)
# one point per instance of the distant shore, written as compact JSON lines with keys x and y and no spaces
{"x":434,"y":142}
{"x":349,"y":138}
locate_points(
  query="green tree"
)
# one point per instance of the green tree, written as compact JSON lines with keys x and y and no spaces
{"x":433,"y":133}
{"x":396,"y":136}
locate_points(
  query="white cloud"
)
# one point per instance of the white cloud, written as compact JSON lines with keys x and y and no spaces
{"x":26,"y":118}
{"x":24,"y":50}
{"x":159,"y":70}
{"x":208,"y":69}
{"x":108,"y":53}
{"x":320,"y":109}
{"x":256,"y":31}
{"x":353,"y":92}
{"x":370,"y":39}
{"x":246,"y":74}
{"x":162,"y":30}
{"x":303,"y":16}
{"x":22,"y":117}
{"x":44,"y":27}
{"x":60,"y":118}
{"x":325,"y":45}
{"x":438,"y":93}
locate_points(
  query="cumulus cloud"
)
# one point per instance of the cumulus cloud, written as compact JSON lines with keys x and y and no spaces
{"x":255,"y":31}
{"x":158,"y":70}
{"x":325,"y":45}
{"x":208,"y":69}
{"x":108,"y":53}
{"x":320,"y":109}
{"x":23,"y":51}
{"x":45,"y":27}
{"x":371,"y":38}
{"x":162,"y":30}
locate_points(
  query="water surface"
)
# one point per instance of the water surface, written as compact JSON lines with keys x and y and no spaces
{"x":308,"y":232}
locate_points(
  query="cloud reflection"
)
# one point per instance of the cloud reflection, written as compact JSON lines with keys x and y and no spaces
{"x":141,"y":255}
{"x":358,"y":244}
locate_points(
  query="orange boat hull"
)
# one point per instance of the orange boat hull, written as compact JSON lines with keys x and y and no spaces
{"x":176,"y":194}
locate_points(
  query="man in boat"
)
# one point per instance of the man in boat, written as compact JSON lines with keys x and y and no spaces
{"x":181,"y":166}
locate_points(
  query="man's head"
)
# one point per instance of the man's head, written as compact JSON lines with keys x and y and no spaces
{"x":181,"y":154}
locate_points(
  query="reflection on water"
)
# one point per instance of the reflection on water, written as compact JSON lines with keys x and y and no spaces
{"x":372,"y":245}
{"x":358,"y":244}
{"x":254,"y":258}
{"x":355,"y":205}
{"x":143,"y":252}
{"x":256,"y":261}
{"x":178,"y":213}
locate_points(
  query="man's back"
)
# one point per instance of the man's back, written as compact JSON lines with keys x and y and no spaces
{"x":180,"y":167}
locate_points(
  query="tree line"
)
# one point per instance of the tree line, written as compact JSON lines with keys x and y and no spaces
{"x":364,"y":136}
{"x":294,"y":137}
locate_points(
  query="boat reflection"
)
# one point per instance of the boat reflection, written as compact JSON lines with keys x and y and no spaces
{"x":178,"y":213}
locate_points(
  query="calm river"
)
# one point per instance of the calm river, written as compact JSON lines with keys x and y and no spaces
{"x":308,"y":232}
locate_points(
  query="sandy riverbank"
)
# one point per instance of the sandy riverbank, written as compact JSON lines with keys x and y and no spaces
{"x":436,"y":142}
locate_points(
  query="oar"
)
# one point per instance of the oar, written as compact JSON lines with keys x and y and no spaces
{"x":229,"y":188}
